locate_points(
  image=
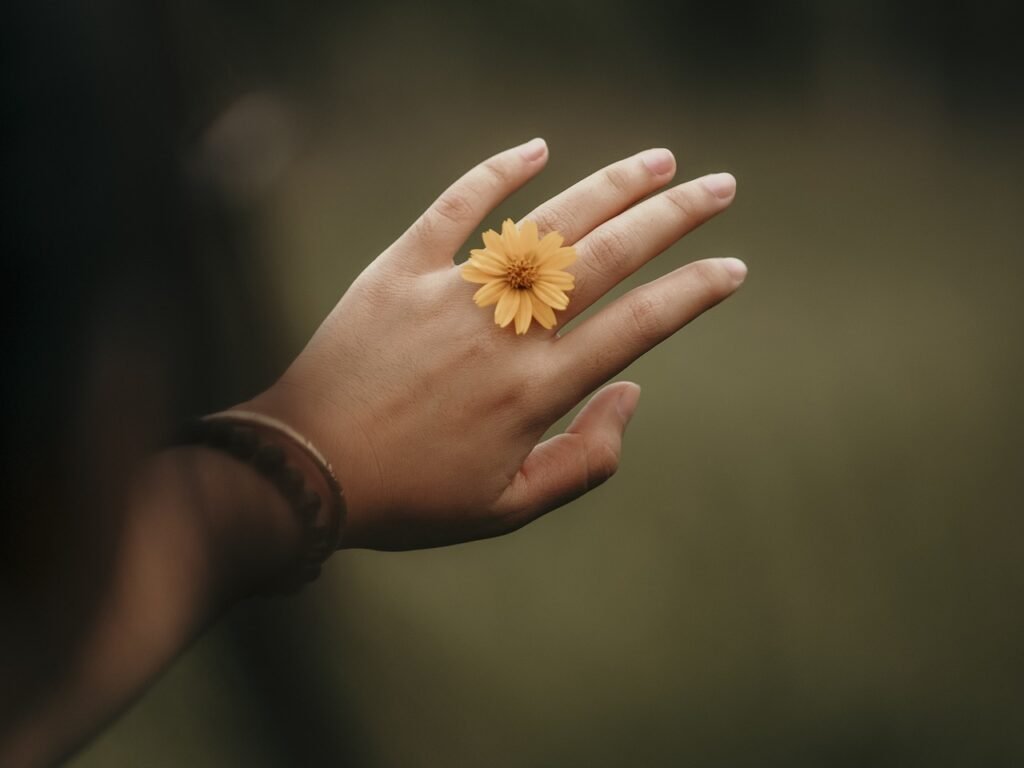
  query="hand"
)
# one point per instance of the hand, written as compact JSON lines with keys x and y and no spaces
{"x":431,"y":413}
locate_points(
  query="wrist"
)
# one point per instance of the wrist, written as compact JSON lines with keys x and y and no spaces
{"x":298,"y":473}
{"x":344,"y":444}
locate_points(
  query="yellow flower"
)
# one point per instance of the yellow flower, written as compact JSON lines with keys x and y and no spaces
{"x":522,"y":274}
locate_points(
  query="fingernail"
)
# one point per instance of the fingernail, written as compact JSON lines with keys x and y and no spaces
{"x":736,"y":268}
{"x":533,"y":149}
{"x":628,"y":399}
{"x":658,"y":161}
{"x":721,"y":185}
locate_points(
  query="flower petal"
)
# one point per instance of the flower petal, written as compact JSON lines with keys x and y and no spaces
{"x":525,"y":312}
{"x":552,"y":242}
{"x":493,"y":242}
{"x":487,"y":266}
{"x":510,"y":237}
{"x":528,"y":240}
{"x":563,"y":257}
{"x":474,"y":274}
{"x":543,"y":313}
{"x":507,"y":307}
{"x":550,"y":295}
{"x":557,"y":278}
{"x":490,"y":293}
{"x":545,"y":251}
{"x":488,"y":260}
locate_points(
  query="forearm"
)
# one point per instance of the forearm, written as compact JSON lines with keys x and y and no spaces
{"x":200,"y":531}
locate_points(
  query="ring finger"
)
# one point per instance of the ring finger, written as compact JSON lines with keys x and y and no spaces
{"x":617,"y":248}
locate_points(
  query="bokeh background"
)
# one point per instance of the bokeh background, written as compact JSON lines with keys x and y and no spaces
{"x":812,"y":552}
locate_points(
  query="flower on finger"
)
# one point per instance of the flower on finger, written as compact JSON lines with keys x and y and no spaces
{"x":522,"y":274}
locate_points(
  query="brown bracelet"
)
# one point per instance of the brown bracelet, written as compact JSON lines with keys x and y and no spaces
{"x":244,"y":435}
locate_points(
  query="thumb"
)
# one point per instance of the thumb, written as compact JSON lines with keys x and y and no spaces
{"x":570,"y":464}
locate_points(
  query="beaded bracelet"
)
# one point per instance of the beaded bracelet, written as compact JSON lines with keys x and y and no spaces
{"x":241,"y":434}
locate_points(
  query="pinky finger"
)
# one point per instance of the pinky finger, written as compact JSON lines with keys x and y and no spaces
{"x":620,"y":333}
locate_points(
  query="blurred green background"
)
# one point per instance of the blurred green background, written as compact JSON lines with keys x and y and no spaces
{"x":812,"y":552}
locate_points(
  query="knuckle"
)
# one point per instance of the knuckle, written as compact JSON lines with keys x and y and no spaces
{"x":477,"y":348}
{"x":608,"y":249}
{"x":497,"y":171}
{"x":453,"y":206}
{"x":681,"y":199}
{"x":602,"y":463}
{"x":515,"y":397}
{"x":553,"y":220}
{"x":646,"y":315}
{"x":707,"y":276}
{"x":423,"y":228}
{"x":617,"y":178}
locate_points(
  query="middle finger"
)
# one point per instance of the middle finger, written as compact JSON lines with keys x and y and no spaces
{"x":604,"y":194}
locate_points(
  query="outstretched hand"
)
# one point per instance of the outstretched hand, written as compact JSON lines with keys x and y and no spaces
{"x":431,"y":413}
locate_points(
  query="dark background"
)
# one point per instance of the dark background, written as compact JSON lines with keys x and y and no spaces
{"x":812,"y":552}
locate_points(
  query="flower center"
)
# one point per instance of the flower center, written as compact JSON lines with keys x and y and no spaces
{"x":521,"y":274}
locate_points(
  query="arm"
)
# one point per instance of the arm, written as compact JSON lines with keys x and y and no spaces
{"x":200,"y":530}
{"x":431,"y":414}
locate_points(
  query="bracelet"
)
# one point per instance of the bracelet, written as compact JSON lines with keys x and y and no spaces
{"x":241,"y":434}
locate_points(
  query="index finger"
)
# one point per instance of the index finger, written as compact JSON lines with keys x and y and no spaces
{"x":431,"y":242}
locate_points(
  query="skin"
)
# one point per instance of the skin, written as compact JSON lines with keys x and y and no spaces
{"x":436,"y":442}
{"x":431,"y":415}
